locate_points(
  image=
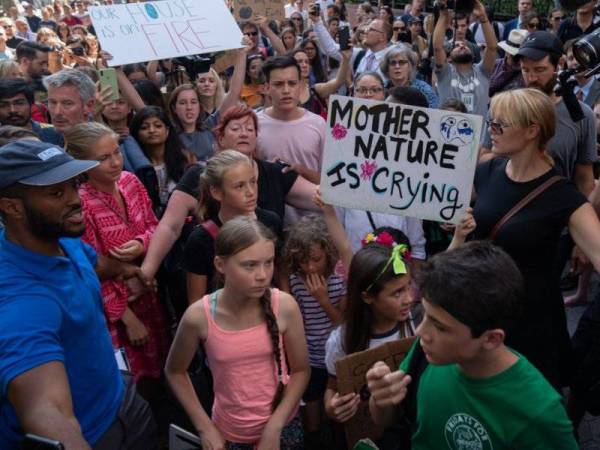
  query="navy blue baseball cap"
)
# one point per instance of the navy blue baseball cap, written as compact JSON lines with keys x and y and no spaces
{"x":538,"y":45}
{"x":36,"y":163}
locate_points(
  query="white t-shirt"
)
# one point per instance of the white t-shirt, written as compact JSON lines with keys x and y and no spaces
{"x":357,"y":225}
{"x":334,"y":348}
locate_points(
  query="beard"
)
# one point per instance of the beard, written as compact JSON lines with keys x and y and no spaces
{"x":43,"y":226}
{"x":547,"y":88}
{"x":463,"y":58}
{"x":16,"y":120}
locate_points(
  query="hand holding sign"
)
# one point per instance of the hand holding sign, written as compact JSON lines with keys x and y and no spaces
{"x":387,"y":388}
{"x":136,"y":32}
{"x":342,"y":408}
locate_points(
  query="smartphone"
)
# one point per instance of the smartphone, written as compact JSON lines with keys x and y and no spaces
{"x":34,"y":442}
{"x":344,"y":37}
{"x":108,"y":77}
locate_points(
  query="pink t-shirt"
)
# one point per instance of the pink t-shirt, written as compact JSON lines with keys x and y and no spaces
{"x":297,"y":141}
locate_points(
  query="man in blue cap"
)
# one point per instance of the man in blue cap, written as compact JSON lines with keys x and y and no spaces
{"x":58,"y":374}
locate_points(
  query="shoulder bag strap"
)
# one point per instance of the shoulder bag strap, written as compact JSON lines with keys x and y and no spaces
{"x":524,"y":202}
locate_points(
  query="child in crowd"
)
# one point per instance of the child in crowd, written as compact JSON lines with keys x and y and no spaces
{"x":255,"y":346}
{"x":473,"y":391}
{"x":310,"y":257}
{"x":379,"y":300}
{"x":228,"y":189}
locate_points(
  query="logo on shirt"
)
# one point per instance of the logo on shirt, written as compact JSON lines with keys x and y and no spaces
{"x":464,"y":432}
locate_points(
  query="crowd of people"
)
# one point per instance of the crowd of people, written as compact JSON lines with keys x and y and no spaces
{"x":166,"y":255}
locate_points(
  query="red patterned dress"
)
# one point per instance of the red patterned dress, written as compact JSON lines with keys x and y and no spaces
{"x":109,"y":227}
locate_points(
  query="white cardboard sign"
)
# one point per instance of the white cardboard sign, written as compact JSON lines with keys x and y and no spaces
{"x":137,"y":32}
{"x":399,"y":159}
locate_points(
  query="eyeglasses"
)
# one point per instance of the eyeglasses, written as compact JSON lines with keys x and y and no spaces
{"x":533,"y":26}
{"x":496,"y":127}
{"x":251,"y":33}
{"x":398,"y":62}
{"x":368,"y":90}
{"x":558,"y":18}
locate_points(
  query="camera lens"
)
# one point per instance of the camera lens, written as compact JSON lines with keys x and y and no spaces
{"x":587,"y":50}
{"x":78,"y":51}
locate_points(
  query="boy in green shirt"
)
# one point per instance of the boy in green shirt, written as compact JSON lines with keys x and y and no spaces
{"x":475,"y":393}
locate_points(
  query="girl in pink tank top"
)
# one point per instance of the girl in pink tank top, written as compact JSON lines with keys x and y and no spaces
{"x":248,"y":331}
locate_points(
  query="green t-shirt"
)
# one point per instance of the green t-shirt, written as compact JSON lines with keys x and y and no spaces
{"x":516,"y":409}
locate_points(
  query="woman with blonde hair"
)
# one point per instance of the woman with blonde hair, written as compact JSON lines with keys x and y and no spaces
{"x":521,"y":124}
{"x":120,"y":223}
{"x":210,"y":91}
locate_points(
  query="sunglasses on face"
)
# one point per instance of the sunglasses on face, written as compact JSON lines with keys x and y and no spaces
{"x":251,"y":33}
{"x":533,"y":26}
{"x":558,"y":18}
{"x":496,"y":127}
{"x":398,"y":62}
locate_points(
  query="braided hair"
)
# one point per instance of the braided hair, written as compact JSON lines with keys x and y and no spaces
{"x":235,"y":236}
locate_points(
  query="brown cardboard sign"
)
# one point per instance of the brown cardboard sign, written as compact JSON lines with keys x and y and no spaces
{"x":249,"y":9}
{"x":351,"y":377}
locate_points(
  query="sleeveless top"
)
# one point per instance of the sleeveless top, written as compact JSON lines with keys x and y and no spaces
{"x":315,"y":104}
{"x":243,"y":363}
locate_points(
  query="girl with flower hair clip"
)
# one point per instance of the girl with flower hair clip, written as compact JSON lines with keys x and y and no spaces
{"x":378,"y":306}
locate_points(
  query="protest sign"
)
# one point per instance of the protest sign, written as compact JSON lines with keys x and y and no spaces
{"x":351,"y":374}
{"x":399,"y":159}
{"x":249,"y":9}
{"x":136,"y":32}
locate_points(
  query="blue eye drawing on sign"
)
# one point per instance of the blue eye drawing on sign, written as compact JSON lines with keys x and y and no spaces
{"x":457,"y":130}
{"x":151,"y":11}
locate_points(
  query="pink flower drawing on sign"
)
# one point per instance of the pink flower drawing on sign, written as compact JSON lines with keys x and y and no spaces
{"x":368,"y":168}
{"x":339,"y":132}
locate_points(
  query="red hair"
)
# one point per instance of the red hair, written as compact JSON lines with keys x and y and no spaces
{"x":234,"y":113}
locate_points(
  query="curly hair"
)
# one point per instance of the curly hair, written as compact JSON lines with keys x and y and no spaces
{"x":309,"y":231}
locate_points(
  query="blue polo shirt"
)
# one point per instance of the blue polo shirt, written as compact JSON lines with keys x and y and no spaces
{"x":51,"y":310}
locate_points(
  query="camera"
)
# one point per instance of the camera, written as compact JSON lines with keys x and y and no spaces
{"x":459,"y":6}
{"x":78,"y":51}
{"x":587,"y":50}
{"x":194,"y":64}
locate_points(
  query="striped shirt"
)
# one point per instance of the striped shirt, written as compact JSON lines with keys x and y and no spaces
{"x":317,"y":326}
